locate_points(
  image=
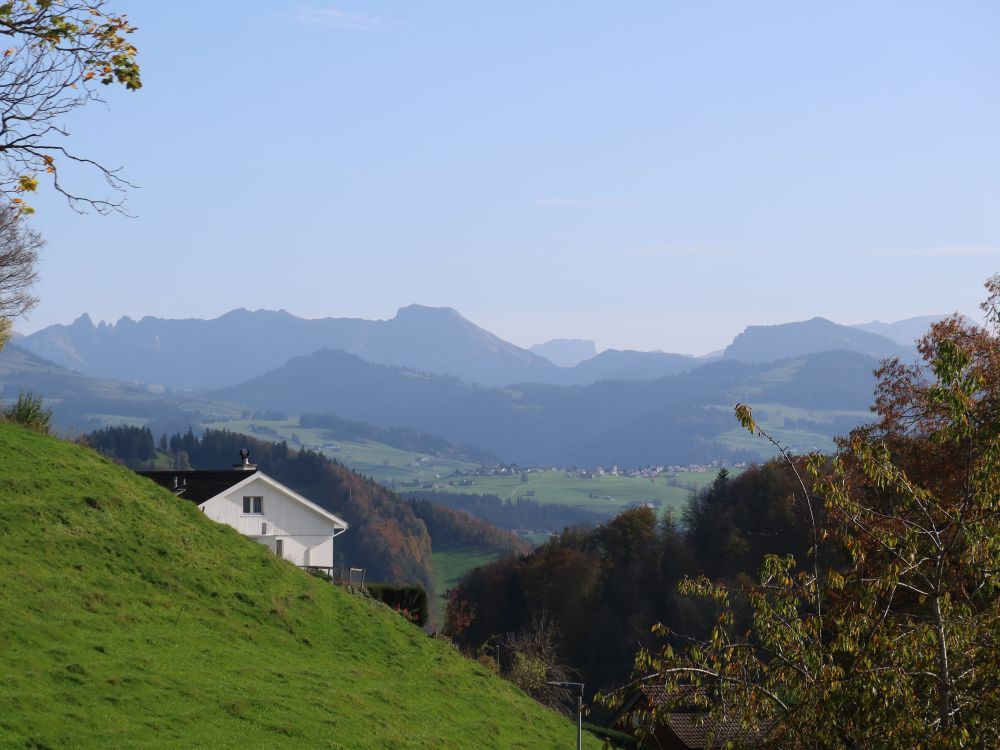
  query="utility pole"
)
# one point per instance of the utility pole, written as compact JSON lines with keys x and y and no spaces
{"x":578,"y":686}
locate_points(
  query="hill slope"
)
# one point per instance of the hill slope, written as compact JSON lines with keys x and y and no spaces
{"x":675,"y":419}
{"x":130,"y":620}
{"x":614,"y":364}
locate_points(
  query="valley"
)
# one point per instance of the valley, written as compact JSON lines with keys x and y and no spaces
{"x":499,"y":376}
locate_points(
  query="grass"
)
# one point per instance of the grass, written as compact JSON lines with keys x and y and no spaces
{"x":452,"y":561}
{"x":403,"y":470}
{"x":608,"y":495}
{"x":772,"y":418}
{"x":131,"y":620}
{"x":386,"y":465}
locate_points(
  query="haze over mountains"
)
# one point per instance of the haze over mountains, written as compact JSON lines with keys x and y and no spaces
{"x":565,"y":352}
{"x":768,"y":343}
{"x":431,"y":370}
{"x":612,"y":421}
{"x":241,"y":344}
{"x":198,"y":354}
{"x":903,"y":332}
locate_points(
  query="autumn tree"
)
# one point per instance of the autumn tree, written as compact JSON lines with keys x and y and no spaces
{"x":60,"y":53}
{"x":898,"y":647}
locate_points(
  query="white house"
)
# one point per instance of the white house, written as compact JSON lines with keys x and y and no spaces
{"x":261,"y":508}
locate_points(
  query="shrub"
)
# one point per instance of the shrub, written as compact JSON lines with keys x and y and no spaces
{"x":408,"y":599}
{"x":28,"y":412}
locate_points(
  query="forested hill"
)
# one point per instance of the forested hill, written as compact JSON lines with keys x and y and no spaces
{"x":603,"y":587}
{"x":449,"y":526}
{"x":676,"y":419}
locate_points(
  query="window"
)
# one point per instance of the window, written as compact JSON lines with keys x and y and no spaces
{"x":279,"y":547}
{"x":253,"y":505}
{"x":263,"y":527}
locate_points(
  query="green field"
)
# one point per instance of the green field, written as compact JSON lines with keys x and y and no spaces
{"x":452,"y":561}
{"x":384,"y":464}
{"x":607,"y":495}
{"x":772,"y":418}
{"x":131,"y":620}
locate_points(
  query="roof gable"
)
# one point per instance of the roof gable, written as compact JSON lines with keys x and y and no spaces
{"x":198,"y":485}
{"x":288,"y":492}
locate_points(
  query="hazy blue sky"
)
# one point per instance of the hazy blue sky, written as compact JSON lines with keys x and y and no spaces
{"x":652,"y":175}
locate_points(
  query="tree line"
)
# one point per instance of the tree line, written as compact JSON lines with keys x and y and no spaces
{"x":601,"y":587}
{"x":520,"y":513}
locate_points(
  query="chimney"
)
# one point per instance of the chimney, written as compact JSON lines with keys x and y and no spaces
{"x":244,"y":463}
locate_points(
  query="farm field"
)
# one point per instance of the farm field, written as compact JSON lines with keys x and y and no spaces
{"x":779,"y":420}
{"x":607,"y":495}
{"x":383,"y":463}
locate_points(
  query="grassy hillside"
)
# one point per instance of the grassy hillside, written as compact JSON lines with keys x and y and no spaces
{"x":383,"y":463}
{"x":130,"y":620}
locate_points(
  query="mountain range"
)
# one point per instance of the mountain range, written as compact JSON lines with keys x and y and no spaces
{"x":628,"y":422}
{"x":431,"y":370}
{"x":196,"y":354}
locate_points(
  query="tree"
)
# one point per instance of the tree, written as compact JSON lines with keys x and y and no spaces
{"x":530,"y":659}
{"x":897,"y":647}
{"x":19,"y":247}
{"x":60,"y":52}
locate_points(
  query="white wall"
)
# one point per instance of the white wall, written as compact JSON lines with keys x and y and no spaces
{"x":301,"y":550}
{"x":305,"y":533}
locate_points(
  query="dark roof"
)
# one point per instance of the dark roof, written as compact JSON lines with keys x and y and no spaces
{"x":198,"y":486}
{"x":689,"y":725}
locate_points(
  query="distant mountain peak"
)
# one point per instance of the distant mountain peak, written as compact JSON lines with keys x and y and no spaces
{"x":162,"y":350}
{"x":903,"y":332}
{"x":423,"y":312}
{"x":769,"y":343}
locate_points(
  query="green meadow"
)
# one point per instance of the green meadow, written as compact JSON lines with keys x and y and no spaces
{"x":772,"y":417}
{"x":131,"y":620}
{"x":606,"y":495}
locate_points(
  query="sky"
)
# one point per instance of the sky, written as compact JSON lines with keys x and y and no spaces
{"x":649,"y":175}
